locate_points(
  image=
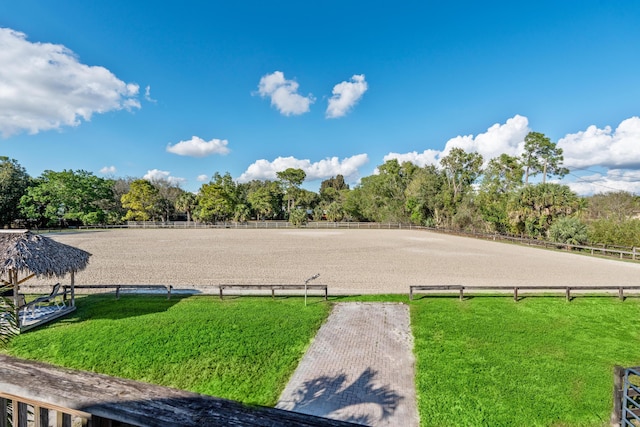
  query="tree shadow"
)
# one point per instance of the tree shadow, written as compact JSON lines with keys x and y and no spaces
{"x":325,"y":395}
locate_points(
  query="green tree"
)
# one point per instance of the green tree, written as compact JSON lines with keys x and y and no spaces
{"x":542,"y":155}
{"x":265,"y":199}
{"x":569,"y":231}
{"x":424,"y":196}
{"x":169,"y":193}
{"x":14,"y":182}
{"x":291,"y":179}
{"x":381,"y":197}
{"x":462,"y":169}
{"x":68,"y":197}
{"x":534,"y":208}
{"x":502,"y":176}
{"x":186,"y":202}
{"x":218,"y":199}
{"x":334,"y":212}
{"x":298,"y":217}
{"x":143,"y":201}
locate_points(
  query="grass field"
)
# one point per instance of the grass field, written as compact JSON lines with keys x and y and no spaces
{"x":485,"y":361}
{"x":240,"y":348}
{"x":540,"y":362}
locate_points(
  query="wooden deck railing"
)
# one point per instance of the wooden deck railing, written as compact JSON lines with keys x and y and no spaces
{"x":37,"y":394}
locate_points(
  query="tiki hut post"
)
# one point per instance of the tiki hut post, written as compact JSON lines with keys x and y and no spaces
{"x":13,"y":278}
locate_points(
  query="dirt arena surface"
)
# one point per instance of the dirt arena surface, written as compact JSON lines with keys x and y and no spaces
{"x":349,"y":261}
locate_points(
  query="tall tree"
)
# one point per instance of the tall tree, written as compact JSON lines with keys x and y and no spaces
{"x":502,"y":176}
{"x":14,"y":181}
{"x":265,"y":199}
{"x":424,"y":196}
{"x":381,"y":197}
{"x":143,"y":201}
{"x":291,"y":180}
{"x":542,"y":155}
{"x":186,"y":202}
{"x":67,"y":197}
{"x":218,"y":199}
{"x":462,"y":169}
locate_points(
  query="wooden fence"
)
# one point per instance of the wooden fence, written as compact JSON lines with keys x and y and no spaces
{"x":41,"y":395}
{"x":517,"y":291}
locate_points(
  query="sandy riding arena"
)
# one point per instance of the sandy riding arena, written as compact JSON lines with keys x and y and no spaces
{"x":349,"y":261}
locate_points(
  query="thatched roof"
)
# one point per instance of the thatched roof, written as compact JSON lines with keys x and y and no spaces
{"x":24,"y":252}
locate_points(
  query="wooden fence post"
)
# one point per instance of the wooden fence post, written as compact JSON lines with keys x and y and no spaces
{"x":621,"y":293}
{"x":618,"y":379}
{"x":568,"y":293}
{"x":515,"y":294}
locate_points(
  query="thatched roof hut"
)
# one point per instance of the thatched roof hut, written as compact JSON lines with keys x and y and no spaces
{"x":29,"y":255}
{"x":24,"y":252}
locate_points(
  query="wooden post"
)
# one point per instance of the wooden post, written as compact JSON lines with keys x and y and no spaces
{"x":461,"y":293}
{"x":73,"y":291}
{"x":117,"y":292}
{"x":618,"y":380}
{"x":515,"y":294}
{"x":410,"y":293}
{"x":568,"y":293}
{"x":220,"y":287}
{"x":4,"y":413}
{"x":621,"y":293}
{"x":13,"y":277}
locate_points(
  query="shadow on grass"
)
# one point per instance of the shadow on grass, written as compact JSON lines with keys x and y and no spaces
{"x":330,"y":396}
{"x":106,"y":306}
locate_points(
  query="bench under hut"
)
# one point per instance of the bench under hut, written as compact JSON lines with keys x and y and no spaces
{"x":24,"y":255}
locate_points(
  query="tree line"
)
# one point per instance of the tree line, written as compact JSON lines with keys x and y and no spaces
{"x":463,"y":192}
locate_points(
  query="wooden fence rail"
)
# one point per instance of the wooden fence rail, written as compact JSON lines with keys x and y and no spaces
{"x":38,"y":394}
{"x":516,"y":290}
{"x":273,"y":288}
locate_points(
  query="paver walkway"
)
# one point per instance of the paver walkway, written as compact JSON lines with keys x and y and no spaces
{"x":359,"y":368}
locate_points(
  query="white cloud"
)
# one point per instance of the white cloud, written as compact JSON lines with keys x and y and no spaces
{"x":604,"y":147}
{"x":108,"y":170}
{"x":43,"y":86}
{"x":427,"y":157}
{"x":614,"y":180}
{"x":202,"y":178}
{"x":198,"y":147}
{"x":500,"y":138}
{"x":158,"y":175}
{"x":347,"y":167}
{"x":147,"y":94}
{"x":507,"y":138}
{"x":283,"y":94}
{"x":345,"y":96}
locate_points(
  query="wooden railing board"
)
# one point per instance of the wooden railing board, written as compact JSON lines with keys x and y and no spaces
{"x":137,"y":403}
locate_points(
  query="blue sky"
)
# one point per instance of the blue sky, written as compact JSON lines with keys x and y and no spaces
{"x":181,"y":90}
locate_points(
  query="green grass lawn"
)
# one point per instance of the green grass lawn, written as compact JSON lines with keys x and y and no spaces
{"x":488,"y":361}
{"x":485,"y":361}
{"x":240,"y":348}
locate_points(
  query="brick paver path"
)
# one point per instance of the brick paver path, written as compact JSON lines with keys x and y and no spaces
{"x":359,"y":368}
